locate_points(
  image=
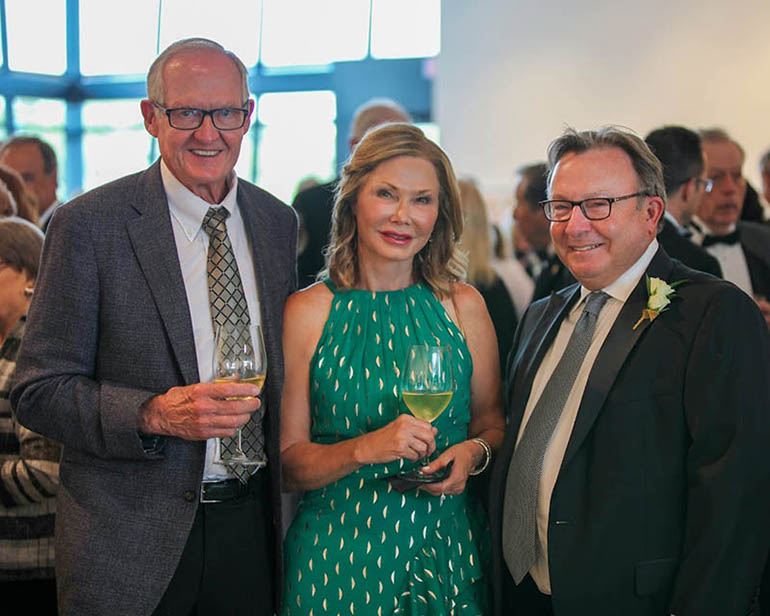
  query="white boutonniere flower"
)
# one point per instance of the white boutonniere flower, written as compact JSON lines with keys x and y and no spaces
{"x":660,"y":294}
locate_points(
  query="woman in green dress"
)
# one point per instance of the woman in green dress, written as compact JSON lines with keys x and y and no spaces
{"x":357,"y":544}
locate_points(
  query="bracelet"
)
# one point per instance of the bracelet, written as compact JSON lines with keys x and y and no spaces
{"x":487,"y":456}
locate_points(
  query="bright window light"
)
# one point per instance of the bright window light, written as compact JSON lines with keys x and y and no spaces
{"x":296,"y":141}
{"x":36,"y":36}
{"x":45,"y":118}
{"x":303,"y":33}
{"x":117,"y":38}
{"x":406,"y":28}
{"x":115,"y":142}
{"x":232,"y":23}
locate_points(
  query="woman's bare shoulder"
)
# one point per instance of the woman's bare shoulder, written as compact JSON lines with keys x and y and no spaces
{"x":310,"y":304}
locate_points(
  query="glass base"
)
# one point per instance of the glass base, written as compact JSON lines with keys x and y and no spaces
{"x":417,"y":476}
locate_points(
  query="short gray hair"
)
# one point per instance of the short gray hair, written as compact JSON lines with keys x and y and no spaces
{"x":155,"y":85}
{"x":716,"y":134}
{"x":375,"y":112}
{"x":648,"y":169}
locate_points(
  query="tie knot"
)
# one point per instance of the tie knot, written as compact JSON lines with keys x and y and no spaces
{"x":214,"y":220}
{"x":594,"y":302}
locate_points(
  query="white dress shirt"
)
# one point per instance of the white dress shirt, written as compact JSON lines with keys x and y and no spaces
{"x":619,"y":292}
{"x":731,"y":259}
{"x":192,"y":244}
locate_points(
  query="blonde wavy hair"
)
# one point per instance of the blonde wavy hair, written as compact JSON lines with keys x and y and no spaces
{"x":475,"y":240}
{"x":440,"y":262}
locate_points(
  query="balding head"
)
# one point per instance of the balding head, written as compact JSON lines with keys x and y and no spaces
{"x":373,"y":113}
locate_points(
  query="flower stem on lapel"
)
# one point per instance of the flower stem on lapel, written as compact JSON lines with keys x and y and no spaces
{"x":659,"y":296}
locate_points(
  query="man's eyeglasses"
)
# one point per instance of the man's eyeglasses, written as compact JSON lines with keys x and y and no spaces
{"x":708,"y":184}
{"x":190,"y":118}
{"x":595,"y":208}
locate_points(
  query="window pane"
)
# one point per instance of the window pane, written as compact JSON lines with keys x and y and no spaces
{"x":115,"y":142}
{"x":36,"y":36}
{"x":232,"y":23}
{"x":44,"y":118}
{"x":308,"y":32}
{"x":394,"y":36}
{"x":109,"y":50}
{"x":297,"y":140}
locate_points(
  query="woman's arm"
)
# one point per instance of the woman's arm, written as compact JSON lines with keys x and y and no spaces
{"x":307,"y":465}
{"x":487,"y":420}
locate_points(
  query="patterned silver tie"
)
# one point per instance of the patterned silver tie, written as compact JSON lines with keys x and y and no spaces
{"x":523,"y":482}
{"x":229,"y":308}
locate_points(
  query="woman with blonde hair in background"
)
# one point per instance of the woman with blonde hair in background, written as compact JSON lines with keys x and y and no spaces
{"x":475,"y":241}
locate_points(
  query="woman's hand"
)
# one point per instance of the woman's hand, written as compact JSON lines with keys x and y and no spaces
{"x":404,"y":437}
{"x":465,"y":457}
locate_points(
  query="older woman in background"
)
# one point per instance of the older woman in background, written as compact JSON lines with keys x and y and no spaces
{"x":29,"y":463}
{"x":357,"y":545}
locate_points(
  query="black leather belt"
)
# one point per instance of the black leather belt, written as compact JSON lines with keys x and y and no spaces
{"x":224,"y":490}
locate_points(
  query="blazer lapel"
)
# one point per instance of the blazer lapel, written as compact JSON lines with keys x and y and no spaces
{"x":153,"y":241}
{"x":618,"y":344}
{"x":533,"y":349}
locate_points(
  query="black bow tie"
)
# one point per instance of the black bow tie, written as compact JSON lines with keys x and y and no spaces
{"x":729,"y":239}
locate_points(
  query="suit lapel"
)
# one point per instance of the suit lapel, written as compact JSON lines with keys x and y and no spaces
{"x":619,"y":342}
{"x":153,"y":241}
{"x":530,"y":355}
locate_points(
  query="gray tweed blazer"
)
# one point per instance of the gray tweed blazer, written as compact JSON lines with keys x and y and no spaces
{"x":108,"y":328}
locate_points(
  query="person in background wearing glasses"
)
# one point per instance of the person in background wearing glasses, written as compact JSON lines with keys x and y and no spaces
{"x":741,"y":247}
{"x":679,"y":151}
{"x":117,"y":361}
{"x":633,"y":478}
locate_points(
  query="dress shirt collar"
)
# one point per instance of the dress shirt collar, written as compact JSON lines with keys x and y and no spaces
{"x":622,"y":287}
{"x":188,"y":208}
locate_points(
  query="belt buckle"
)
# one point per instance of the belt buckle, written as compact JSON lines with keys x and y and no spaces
{"x":203,"y":499}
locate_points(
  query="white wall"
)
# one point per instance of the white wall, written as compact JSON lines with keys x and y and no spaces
{"x":513,"y":73}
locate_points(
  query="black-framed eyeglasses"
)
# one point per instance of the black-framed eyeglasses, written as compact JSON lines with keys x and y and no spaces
{"x":190,"y":118}
{"x":708,"y":184}
{"x":595,"y":208}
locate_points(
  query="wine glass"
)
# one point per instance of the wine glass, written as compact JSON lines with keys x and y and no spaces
{"x":427,"y":386}
{"x":239,"y":357}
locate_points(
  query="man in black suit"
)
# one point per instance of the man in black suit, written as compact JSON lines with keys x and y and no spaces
{"x":314,"y":205}
{"x":741,"y":247}
{"x":679,"y":151}
{"x":551,"y":274}
{"x":35,"y":160}
{"x":633,"y":478}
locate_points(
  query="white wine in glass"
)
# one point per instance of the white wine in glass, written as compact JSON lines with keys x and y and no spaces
{"x":427,"y":386}
{"x":239,"y":357}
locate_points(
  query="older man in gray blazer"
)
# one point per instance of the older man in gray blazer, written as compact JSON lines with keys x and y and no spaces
{"x":116,"y":363}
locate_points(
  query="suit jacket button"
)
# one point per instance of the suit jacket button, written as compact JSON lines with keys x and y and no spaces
{"x":189,"y":496}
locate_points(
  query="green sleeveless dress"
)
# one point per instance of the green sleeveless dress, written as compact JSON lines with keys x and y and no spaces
{"x":358,"y":546}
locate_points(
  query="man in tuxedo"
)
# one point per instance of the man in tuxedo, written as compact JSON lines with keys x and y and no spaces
{"x":764,"y":170}
{"x":35,"y":161}
{"x":314,"y":205}
{"x":679,"y":151}
{"x":117,"y":362}
{"x":741,"y":247}
{"x":633,"y":478}
{"x":551,"y":274}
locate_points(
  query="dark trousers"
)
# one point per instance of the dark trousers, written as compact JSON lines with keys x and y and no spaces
{"x":227,"y":563}
{"x":29,"y":597}
{"x":526,"y":598}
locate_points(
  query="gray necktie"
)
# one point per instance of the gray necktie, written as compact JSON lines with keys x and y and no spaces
{"x":523,"y":483}
{"x":229,"y":308}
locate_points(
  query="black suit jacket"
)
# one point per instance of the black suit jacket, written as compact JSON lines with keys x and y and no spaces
{"x":554,"y":277}
{"x":314,"y":207}
{"x":661,"y":503}
{"x":682,"y":249}
{"x":108,"y":328}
